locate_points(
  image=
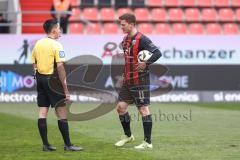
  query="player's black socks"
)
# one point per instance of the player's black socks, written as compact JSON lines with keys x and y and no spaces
{"x":42,"y":127}
{"x":63,"y":127}
{"x":147,"y":127}
{"x":125,"y":121}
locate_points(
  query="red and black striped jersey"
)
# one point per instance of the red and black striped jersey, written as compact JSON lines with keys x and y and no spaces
{"x":131,"y":47}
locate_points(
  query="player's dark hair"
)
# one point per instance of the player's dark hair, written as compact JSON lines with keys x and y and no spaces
{"x":128,"y":17}
{"x":49,"y":24}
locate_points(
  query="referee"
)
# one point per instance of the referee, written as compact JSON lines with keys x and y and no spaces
{"x":47,"y":56}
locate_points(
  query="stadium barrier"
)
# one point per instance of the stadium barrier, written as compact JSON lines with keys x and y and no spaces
{"x":189,"y":83}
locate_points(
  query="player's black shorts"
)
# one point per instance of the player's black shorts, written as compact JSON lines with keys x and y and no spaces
{"x":137,"y":94}
{"x":50,"y":91}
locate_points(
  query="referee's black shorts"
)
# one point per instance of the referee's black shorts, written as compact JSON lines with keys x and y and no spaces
{"x":49,"y":91}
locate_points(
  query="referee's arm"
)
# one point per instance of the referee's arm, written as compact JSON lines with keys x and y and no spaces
{"x":62,"y":76}
{"x":34,"y":70}
{"x":34,"y":63}
{"x":60,"y":59}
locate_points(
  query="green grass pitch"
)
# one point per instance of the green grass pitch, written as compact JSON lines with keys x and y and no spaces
{"x":200,"y":131}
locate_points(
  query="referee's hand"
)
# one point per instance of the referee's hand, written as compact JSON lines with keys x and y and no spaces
{"x":67,"y":94}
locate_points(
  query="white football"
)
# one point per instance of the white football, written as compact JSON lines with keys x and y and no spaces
{"x":144,"y":55}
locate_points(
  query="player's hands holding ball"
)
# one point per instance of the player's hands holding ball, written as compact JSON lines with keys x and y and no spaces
{"x":143,"y":57}
{"x":141,"y":66}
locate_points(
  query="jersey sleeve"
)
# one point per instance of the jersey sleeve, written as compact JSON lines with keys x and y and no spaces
{"x":147,"y":44}
{"x":59,"y":53}
{"x":33,"y":58}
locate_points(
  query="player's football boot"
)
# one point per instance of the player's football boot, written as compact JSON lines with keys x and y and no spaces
{"x":49,"y":148}
{"x":124,"y":140}
{"x":144,"y":145}
{"x":72,"y":148}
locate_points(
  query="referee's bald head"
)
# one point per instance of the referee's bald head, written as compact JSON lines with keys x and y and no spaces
{"x":49,"y":25}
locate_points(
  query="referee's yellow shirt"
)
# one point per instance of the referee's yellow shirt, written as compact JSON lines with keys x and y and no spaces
{"x":45,"y":52}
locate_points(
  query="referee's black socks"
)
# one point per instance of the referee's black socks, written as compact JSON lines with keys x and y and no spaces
{"x":63,"y":127}
{"x":125,"y":121}
{"x":147,"y":127}
{"x":42,"y":127}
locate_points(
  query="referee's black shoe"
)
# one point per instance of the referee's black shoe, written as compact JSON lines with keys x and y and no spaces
{"x":72,"y":148}
{"x":49,"y":148}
